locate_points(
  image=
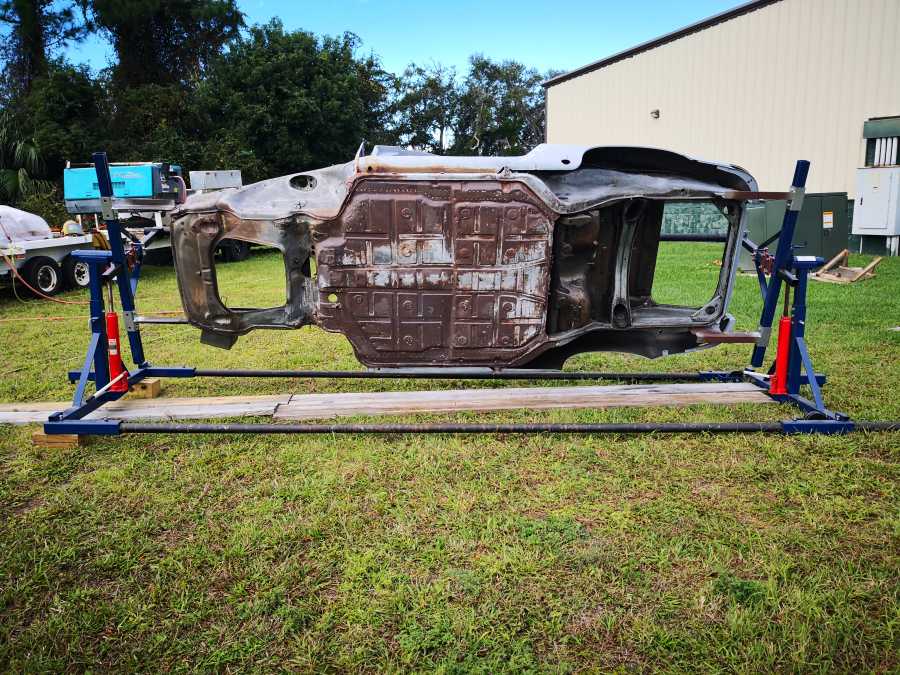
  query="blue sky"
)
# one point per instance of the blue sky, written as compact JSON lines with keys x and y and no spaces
{"x":545,"y":35}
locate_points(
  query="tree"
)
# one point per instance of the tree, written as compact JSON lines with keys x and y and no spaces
{"x":426,"y":103}
{"x":500,"y":109}
{"x":36,"y":31}
{"x":165,"y":41}
{"x":153,"y":123}
{"x":375,"y":86}
{"x":65,"y":115}
{"x":20,"y":160}
{"x":297,"y":101}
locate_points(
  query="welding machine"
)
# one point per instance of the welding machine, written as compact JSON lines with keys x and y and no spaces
{"x":144,"y":185}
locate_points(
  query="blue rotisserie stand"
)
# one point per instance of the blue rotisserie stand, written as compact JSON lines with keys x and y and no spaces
{"x":121,"y":270}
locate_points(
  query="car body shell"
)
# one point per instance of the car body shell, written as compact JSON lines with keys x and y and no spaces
{"x":425,"y":260}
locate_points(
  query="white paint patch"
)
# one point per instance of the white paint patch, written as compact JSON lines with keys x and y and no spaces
{"x":380,"y":279}
{"x":434,"y":251}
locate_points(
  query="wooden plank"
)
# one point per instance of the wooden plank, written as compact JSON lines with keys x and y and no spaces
{"x":316,"y":406}
{"x":29,"y":413}
{"x":831,"y":278}
{"x":867,"y":269}
{"x":161,"y":408}
{"x":840,"y":258}
{"x":312,"y":406}
{"x":191,"y":408}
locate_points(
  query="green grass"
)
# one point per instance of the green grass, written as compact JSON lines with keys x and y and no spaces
{"x":490,"y":553}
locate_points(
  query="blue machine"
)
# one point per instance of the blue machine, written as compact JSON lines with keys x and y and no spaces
{"x":146,"y":180}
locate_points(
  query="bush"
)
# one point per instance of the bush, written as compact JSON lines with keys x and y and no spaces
{"x":46,"y":202}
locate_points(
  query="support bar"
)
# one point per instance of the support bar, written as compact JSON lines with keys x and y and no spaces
{"x":472,"y":374}
{"x":712,"y":238}
{"x":124,"y":280}
{"x":644,"y":428}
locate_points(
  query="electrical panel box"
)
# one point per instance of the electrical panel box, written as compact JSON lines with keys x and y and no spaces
{"x":877,"y":208}
{"x":150,"y":180}
{"x":822,"y":227}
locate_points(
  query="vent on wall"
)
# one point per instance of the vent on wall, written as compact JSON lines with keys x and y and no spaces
{"x":882,"y":136}
{"x":883,"y":151}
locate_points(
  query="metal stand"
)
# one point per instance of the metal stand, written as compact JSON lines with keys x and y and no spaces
{"x":108,"y":267}
{"x":116,"y":266}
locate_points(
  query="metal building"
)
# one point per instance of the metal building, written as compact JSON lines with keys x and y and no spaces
{"x":760,"y":85}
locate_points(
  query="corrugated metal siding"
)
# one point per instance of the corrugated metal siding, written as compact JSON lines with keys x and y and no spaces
{"x":795,"y":79}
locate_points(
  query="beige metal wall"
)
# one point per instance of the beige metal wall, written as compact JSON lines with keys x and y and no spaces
{"x":792,"y":80}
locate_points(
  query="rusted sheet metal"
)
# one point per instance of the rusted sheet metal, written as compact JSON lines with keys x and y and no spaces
{"x":710,"y":336}
{"x":453,"y":261}
{"x":194,"y":248}
{"x":747,"y":195}
{"x":443,"y":271}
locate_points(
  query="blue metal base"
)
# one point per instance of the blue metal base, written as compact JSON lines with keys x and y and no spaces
{"x":84,"y":427}
{"x":818,"y":420}
{"x":827,"y":427}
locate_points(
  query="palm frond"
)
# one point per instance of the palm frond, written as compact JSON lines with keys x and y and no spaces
{"x":27,"y":156}
{"x":29,"y":185}
{"x":9,"y":184}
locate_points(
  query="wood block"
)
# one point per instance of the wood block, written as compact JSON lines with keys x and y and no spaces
{"x":40,"y":439}
{"x":150,"y":387}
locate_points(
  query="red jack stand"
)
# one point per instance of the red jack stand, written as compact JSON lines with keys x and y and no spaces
{"x":118,"y":375}
{"x":778,"y":381}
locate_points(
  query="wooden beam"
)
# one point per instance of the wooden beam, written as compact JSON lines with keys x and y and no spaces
{"x":840,"y":259}
{"x":313,"y":406}
{"x":867,"y":269}
{"x":161,"y":408}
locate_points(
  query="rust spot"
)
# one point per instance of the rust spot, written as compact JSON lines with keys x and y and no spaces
{"x":410,"y":252}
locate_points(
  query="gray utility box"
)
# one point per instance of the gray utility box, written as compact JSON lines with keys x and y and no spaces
{"x":876,"y":213}
{"x":822,"y":227}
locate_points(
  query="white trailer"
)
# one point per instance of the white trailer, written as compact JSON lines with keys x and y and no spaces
{"x":39,"y":256}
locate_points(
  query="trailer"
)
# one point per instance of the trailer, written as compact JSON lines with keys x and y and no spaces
{"x":40,"y":258}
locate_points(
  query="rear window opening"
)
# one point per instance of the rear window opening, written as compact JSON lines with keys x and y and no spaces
{"x":638,"y":262}
{"x":688,"y":268}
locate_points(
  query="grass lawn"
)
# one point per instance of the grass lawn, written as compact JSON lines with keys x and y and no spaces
{"x":487,"y":553}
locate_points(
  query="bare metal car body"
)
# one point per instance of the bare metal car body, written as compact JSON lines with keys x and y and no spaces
{"x":424,"y":260}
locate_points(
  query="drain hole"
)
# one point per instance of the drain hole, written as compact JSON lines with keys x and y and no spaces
{"x":303,"y":182}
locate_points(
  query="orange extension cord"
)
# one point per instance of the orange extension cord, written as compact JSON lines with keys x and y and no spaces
{"x":12,"y":268}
